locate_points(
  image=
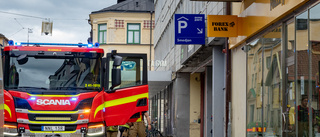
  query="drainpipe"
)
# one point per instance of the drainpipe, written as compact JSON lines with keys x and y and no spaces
{"x":228,"y":80}
{"x":151,"y":12}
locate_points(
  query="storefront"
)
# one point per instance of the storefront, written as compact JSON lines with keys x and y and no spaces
{"x":282,"y":73}
{"x":159,"y":106}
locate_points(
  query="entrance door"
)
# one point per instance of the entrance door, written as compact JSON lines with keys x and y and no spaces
{"x":302,"y":57}
{"x":314,"y":65}
{"x":264,"y":88}
{"x":283,"y":79}
{"x":128,"y":100}
{"x":289,"y":91}
{"x":308,"y":63}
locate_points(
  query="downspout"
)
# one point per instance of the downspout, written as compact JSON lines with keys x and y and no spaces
{"x":151,"y":12}
{"x":228,"y":80}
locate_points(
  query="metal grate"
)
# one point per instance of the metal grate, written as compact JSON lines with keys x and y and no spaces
{"x":53,"y":117}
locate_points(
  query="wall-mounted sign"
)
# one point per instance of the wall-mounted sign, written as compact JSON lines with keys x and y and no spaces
{"x":222,"y":25}
{"x":189,"y":29}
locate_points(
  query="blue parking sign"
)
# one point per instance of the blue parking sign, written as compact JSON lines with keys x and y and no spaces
{"x":189,"y":28}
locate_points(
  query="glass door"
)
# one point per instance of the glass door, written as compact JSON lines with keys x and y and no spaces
{"x":272,"y":89}
{"x":283,"y":79}
{"x":289,"y":81}
{"x":314,"y":64}
{"x":264,"y":88}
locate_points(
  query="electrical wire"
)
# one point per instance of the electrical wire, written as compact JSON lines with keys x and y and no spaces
{"x":69,"y":19}
{"x":19,"y":23}
{"x":15,"y":32}
{"x":36,"y":16}
{"x":22,"y":15}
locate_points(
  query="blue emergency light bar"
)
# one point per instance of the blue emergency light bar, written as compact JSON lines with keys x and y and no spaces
{"x":11,"y":43}
{"x":56,"y":44}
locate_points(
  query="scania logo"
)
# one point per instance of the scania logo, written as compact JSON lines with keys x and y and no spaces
{"x":53,"y":102}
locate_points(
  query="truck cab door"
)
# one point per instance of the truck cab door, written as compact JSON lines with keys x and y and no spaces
{"x":126,"y":101}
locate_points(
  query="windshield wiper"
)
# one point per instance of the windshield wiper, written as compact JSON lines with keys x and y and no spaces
{"x":73,"y":88}
{"x":32,"y":88}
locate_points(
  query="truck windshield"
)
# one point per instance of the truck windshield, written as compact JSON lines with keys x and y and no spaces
{"x":54,"y":73}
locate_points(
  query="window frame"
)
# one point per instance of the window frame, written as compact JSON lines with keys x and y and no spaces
{"x":144,"y":72}
{"x":128,"y":24}
{"x":104,"y":37}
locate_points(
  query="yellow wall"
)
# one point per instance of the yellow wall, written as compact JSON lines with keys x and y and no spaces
{"x":3,"y":41}
{"x":254,"y":16}
{"x":117,"y":37}
{"x":195,"y":104}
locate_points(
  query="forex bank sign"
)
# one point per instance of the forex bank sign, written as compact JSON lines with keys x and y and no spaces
{"x":222,"y":26}
{"x":189,"y":28}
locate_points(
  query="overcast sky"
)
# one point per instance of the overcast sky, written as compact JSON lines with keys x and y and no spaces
{"x":69,"y":19}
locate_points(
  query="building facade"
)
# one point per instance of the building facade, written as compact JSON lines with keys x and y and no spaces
{"x":274,"y":71}
{"x":193,"y":104}
{"x":126,"y":27}
{"x":277,"y":60}
{"x":3,"y":40}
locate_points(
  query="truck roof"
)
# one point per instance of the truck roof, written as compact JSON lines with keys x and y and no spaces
{"x":53,"y":49}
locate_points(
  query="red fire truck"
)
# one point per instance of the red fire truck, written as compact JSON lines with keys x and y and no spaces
{"x":63,"y":90}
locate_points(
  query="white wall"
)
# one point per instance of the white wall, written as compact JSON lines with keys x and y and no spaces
{"x":238,"y":63}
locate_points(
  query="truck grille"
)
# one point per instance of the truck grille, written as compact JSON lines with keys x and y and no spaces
{"x":53,"y":117}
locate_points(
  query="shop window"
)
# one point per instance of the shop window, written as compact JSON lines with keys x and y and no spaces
{"x":263,"y":85}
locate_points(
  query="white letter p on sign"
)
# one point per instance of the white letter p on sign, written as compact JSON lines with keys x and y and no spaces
{"x":182,"y":25}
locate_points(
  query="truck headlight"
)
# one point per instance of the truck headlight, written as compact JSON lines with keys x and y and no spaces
{"x":95,"y":129}
{"x":10,"y":129}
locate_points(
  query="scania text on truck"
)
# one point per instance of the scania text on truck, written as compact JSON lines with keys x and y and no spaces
{"x":53,"y":89}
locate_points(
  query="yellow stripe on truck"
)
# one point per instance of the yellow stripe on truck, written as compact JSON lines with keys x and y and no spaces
{"x":53,"y":131}
{"x":7,"y":108}
{"x":53,"y":95}
{"x":120,"y":101}
{"x":139,"y":119}
{"x":53,"y":112}
{"x":58,"y":122}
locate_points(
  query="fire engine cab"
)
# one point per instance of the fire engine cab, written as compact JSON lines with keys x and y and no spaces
{"x":54,"y":89}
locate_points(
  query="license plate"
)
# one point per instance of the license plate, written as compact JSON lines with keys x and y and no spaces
{"x":52,"y":128}
{"x":53,"y":134}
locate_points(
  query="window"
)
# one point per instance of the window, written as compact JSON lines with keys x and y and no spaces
{"x":264,"y":93}
{"x":133,"y":34}
{"x":83,"y":74}
{"x":251,"y":113}
{"x":268,"y":62}
{"x":132,"y":71}
{"x":102,"y":33}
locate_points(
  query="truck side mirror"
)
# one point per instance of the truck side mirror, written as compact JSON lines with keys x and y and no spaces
{"x":22,"y":59}
{"x":116,"y":72}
